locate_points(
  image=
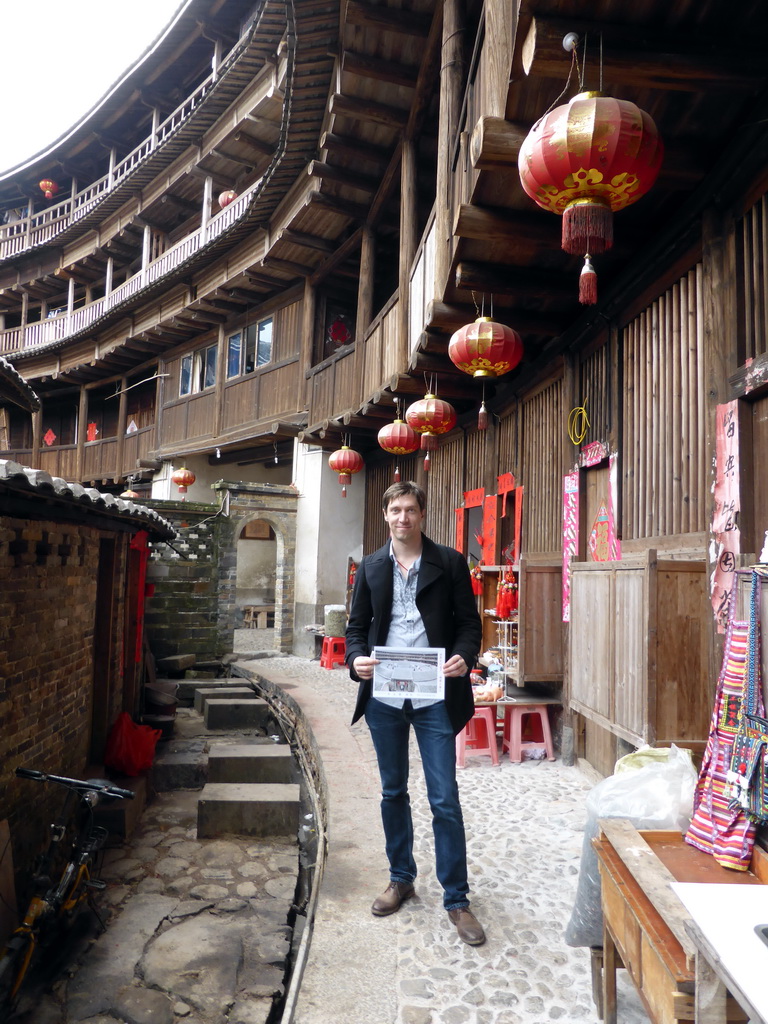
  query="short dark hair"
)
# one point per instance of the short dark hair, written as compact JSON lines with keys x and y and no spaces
{"x":396,"y":491}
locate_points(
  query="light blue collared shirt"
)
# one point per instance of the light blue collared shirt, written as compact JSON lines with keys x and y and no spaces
{"x":406,"y":628}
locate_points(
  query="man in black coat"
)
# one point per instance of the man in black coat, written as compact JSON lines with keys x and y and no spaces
{"x":414,"y":593}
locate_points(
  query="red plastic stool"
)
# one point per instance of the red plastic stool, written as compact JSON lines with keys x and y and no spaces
{"x":334,"y":651}
{"x":513,"y":730}
{"x":480,"y":735}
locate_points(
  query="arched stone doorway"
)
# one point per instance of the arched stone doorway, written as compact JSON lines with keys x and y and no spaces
{"x":259,"y":509}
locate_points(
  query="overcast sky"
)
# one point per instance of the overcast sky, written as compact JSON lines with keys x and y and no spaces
{"x":59,"y":57}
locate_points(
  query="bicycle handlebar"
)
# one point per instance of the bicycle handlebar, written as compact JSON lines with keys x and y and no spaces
{"x":80,"y":785}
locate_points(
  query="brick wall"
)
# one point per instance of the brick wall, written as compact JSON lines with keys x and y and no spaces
{"x":48,"y":584}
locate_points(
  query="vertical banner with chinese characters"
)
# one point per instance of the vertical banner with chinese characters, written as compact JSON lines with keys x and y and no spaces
{"x":725,"y":523}
{"x":570,"y":535}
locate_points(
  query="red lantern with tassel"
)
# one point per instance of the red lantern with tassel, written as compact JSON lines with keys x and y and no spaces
{"x":225,"y":198}
{"x":476,"y":575}
{"x":430,"y":417}
{"x":48,"y":187}
{"x":485,"y":348}
{"x":398,"y":439}
{"x":345,"y":462}
{"x":183,"y":478}
{"x":586,"y":160}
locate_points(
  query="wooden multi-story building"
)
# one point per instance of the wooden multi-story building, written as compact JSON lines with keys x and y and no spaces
{"x":263,"y":237}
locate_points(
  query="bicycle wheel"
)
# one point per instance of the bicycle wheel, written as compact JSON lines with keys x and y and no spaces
{"x":13,"y":967}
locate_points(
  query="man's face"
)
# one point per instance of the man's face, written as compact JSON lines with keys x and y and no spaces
{"x":404,"y":518}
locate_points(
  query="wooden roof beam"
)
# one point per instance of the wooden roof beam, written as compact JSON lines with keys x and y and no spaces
{"x":222,"y":155}
{"x":344,"y":251}
{"x":362,"y":182}
{"x":258,"y":145}
{"x":450,"y":317}
{"x":368,"y":110}
{"x":347,"y":146}
{"x":445,"y":386}
{"x":354,"y":211}
{"x":519,"y":282}
{"x":643,"y":59}
{"x":287,"y":267}
{"x":385,"y":19}
{"x":365,"y":66}
{"x":305,"y":241}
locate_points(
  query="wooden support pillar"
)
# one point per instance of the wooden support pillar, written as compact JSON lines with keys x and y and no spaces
{"x":408,"y":219}
{"x":82,"y":433}
{"x":71,"y":297}
{"x":108,"y":277}
{"x":122,"y":415}
{"x":205,"y":215}
{"x":451,"y":85}
{"x":112,"y":161}
{"x":308,"y":336}
{"x":37,"y":434}
{"x":364,"y":303}
{"x":146,"y":249}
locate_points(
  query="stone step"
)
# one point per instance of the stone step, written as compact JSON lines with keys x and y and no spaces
{"x":179,"y":770}
{"x":221,"y":713}
{"x":187,"y":688}
{"x":231,"y":692}
{"x":250,"y":763}
{"x":175,"y":665}
{"x":248,"y":809}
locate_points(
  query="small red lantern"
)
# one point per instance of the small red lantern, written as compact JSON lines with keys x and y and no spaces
{"x":430,"y":417}
{"x":586,"y":160}
{"x":398,"y":439}
{"x":225,"y":198}
{"x":485,"y":348}
{"x":183,"y":478}
{"x":129,"y":494}
{"x":49,"y":188}
{"x":345,"y":462}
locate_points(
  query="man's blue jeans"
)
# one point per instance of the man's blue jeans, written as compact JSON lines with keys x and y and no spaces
{"x":390,"y":730}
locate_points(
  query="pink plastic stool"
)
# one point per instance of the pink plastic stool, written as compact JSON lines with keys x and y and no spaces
{"x":479,"y":734}
{"x":334,"y":651}
{"x":513,"y":729}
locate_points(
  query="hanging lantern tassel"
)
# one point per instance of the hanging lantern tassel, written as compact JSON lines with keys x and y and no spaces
{"x":397,"y":474}
{"x":426,"y":462}
{"x":588,"y":283}
{"x":482,"y":417}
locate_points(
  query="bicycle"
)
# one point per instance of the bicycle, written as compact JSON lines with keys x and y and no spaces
{"x":58,"y":903}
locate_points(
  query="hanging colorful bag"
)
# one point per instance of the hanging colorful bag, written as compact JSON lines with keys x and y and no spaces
{"x":749,"y":761}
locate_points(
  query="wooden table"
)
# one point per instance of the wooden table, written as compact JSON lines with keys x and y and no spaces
{"x":256,"y":616}
{"x":645,"y":924}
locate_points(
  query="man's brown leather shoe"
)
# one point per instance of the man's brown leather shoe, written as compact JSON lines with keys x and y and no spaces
{"x":469,"y":928}
{"x":390,"y":900}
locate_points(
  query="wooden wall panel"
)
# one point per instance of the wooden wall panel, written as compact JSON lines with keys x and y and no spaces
{"x":591,"y":662}
{"x":241,"y":401}
{"x":595,"y":393}
{"x":480,"y":459}
{"x":752,"y":277}
{"x":507,"y":436}
{"x":174,"y":423}
{"x":201,"y":417}
{"x":664,"y":469}
{"x":544,"y":436}
{"x":445,"y":490}
{"x":288,"y":323}
{"x":278,"y":390}
{"x":630,"y":640}
{"x":136,"y":445}
{"x":100,"y":459}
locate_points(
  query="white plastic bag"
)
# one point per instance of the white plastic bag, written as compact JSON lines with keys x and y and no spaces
{"x":652,"y":787}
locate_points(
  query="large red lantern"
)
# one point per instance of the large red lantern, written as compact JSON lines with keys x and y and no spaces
{"x":49,"y":188}
{"x":485,"y":348}
{"x":183,"y":478}
{"x":345,"y":462}
{"x":430,"y":417}
{"x":398,"y":439}
{"x":586,"y":160}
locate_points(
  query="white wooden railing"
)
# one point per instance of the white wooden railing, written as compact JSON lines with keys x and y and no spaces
{"x":57,"y":328}
{"x":43,"y":226}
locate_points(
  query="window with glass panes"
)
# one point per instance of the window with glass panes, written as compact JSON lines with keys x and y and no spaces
{"x":249,"y":349}
{"x":198,"y":371}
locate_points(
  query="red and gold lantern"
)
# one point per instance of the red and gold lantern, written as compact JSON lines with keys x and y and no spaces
{"x":129,"y":495}
{"x":430,"y":417}
{"x":586,"y":160}
{"x":345,"y":462}
{"x":225,"y":198}
{"x":398,"y":439}
{"x":485,"y":348}
{"x":48,"y":187}
{"x":183,"y":478}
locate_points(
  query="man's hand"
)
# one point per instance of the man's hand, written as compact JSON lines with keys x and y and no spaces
{"x":364,"y":667}
{"x":455,"y":666}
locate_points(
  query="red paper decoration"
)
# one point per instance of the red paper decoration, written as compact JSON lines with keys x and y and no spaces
{"x":586,"y":160}
{"x":345,"y":462}
{"x":430,"y":417}
{"x":485,"y":348}
{"x":398,"y":438}
{"x":48,"y":187}
{"x":183,"y":478}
